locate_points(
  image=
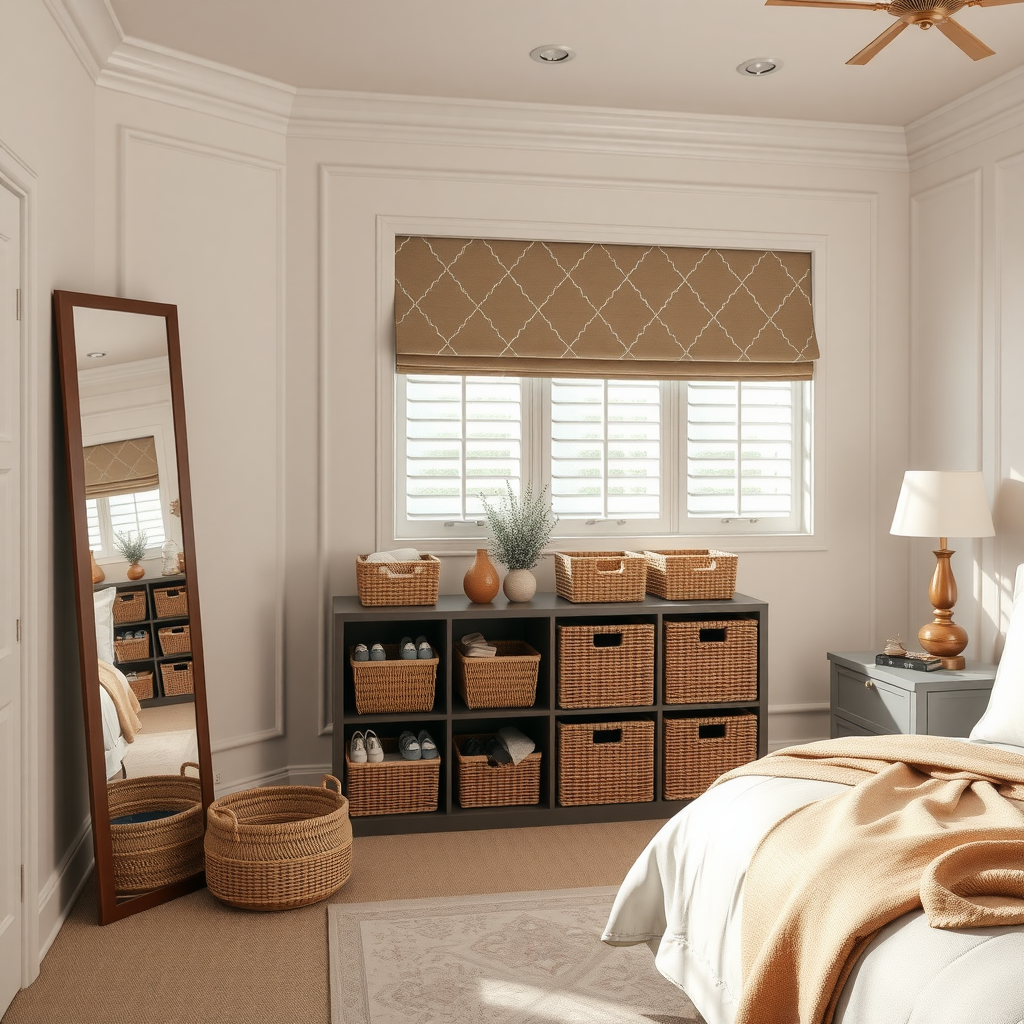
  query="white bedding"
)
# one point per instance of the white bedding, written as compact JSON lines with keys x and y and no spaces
{"x":684,"y":897}
{"x":114,"y":745}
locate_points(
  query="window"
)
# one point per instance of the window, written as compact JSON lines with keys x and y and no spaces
{"x":124,"y":513}
{"x":620,"y":457}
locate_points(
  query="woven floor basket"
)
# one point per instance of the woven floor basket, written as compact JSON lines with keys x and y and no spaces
{"x":176,"y":678}
{"x":142,"y":685}
{"x":508,"y":680}
{"x":594,"y":772}
{"x":392,"y":787}
{"x":710,"y":661}
{"x":591,"y":675}
{"x":170,"y":602}
{"x":383,"y":687}
{"x":175,"y":640}
{"x":279,"y":847}
{"x":698,"y":750}
{"x":398,"y":583}
{"x":691,"y":575}
{"x":129,"y":606}
{"x":479,"y":784}
{"x":135,"y":649}
{"x":151,"y":854}
{"x":583,"y":576}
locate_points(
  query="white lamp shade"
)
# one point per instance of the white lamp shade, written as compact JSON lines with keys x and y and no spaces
{"x":942,"y":504}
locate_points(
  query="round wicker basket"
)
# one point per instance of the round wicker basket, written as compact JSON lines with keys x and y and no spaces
{"x":152,"y":854}
{"x":278,"y":847}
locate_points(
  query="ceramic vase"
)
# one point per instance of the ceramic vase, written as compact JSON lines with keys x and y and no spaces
{"x":520,"y":585}
{"x":135,"y":571}
{"x":98,"y":575}
{"x":481,"y":582}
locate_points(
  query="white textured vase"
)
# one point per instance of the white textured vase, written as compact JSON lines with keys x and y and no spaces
{"x":520,"y":585}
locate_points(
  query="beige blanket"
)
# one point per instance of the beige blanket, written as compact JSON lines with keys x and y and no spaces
{"x":125,"y":701}
{"x":930,"y":822}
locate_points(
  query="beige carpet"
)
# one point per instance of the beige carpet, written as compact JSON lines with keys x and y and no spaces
{"x":194,"y":961}
{"x":166,"y":741}
{"x":517,"y":958}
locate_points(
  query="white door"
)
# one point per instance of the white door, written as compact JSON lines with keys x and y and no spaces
{"x":10,"y":602}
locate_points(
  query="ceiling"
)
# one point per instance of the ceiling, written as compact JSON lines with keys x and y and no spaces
{"x":665,"y":55}
{"x":122,"y":337}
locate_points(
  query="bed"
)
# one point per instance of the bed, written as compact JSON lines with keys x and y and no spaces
{"x":119,"y":706}
{"x":684,"y":898}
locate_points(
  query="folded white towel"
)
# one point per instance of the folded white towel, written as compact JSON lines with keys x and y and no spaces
{"x":397,"y":555}
{"x":517,"y":744}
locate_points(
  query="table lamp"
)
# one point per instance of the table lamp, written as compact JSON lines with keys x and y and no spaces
{"x":942,"y":504}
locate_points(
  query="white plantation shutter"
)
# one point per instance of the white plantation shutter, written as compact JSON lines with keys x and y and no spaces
{"x":124,"y":513}
{"x":462,"y":437}
{"x":744,"y":451}
{"x":606,"y":449}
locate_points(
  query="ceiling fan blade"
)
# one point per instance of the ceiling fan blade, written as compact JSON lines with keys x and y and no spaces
{"x":844,"y":5}
{"x":967,"y":41}
{"x":878,"y":43}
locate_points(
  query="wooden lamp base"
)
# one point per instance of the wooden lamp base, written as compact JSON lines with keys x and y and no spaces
{"x":942,"y":636}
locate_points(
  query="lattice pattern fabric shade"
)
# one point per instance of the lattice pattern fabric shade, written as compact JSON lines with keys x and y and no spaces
{"x":544,"y":309}
{"x":121,"y":467}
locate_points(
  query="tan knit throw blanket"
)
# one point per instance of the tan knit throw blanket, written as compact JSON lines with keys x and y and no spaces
{"x":930,"y":822}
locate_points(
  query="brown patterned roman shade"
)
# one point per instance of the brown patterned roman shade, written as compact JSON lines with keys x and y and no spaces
{"x":572,"y":309}
{"x":121,"y":467}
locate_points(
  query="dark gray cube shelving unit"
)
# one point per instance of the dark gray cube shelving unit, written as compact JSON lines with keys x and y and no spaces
{"x":535,"y":622}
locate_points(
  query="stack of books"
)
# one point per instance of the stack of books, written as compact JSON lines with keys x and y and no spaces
{"x":919,"y":661}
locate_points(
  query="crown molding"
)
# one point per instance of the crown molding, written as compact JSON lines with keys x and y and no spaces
{"x":967,"y":121}
{"x":90,"y":27}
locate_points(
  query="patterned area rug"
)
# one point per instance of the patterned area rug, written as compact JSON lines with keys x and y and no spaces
{"x":513,"y":958}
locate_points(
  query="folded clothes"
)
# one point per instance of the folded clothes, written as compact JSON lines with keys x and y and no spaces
{"x":397,"y":555}
{"x":516,"y":743}
{"x":510,"y":746}
{"x":475,"y":646}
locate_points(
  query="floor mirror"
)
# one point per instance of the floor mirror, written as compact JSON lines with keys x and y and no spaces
{"x":139,"y":630}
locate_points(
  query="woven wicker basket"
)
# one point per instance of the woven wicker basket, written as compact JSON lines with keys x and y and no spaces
{"x":142,"y":684}
{"x":606,"y":666}
{"x":582,"y":576}
{"x":175,"y":640}
{"x":508,"y":680}
{"x":691,"y":575}
{"x":151,"y":854}
{"x":698,"y":750}
{"x":129,"y":606}
{"x":170,"y":602}
{"x":710,"y":661}
{"x":278,"y":847}
{"x":392,"y":787}
{"x":398,"y":583}
{"x":384,"y":687}
{"x":480,"y":784}
{"x":176,"y":678}
{"x":136,"y":649}
{"x":605,"y":762}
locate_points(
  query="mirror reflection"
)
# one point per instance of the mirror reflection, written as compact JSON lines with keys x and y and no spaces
{"x":140,"y":605}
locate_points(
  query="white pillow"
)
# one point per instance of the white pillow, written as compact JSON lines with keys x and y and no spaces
{"x":1003,"y":721}
{"x":103,"y":604}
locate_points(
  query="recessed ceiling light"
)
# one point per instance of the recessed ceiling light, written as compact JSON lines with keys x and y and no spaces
{"x":95,"y":355}
{"x":759,"y":67}
{"x":553,"y":53}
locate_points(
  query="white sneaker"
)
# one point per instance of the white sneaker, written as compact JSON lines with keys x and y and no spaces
{"x":374,"y":751}
{"x":357,"y":748}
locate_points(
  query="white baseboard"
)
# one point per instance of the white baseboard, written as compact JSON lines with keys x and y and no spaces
{"x":58,"y":895}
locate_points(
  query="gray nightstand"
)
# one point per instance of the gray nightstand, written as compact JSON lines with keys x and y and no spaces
{"x":867,"y":699}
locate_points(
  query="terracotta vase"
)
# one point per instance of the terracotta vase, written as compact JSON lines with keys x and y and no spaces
{"x":481,"y":582}
{"x":520,"y":585}
{"x":98,"y":575}
{"x":135,"y":571}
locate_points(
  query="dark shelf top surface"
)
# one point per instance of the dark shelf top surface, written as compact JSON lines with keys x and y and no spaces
{"x":542,"y":606}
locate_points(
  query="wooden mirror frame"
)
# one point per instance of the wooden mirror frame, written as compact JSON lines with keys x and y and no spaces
{"x":64,"y":304}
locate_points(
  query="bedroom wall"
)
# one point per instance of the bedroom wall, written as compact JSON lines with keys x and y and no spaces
{"x":967,"y":358}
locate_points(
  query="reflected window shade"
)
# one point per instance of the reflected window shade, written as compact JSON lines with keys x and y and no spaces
{"x":121,"y":467}
{"x":572,"y":309}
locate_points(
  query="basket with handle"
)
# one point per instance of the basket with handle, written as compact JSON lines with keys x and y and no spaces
{"x":398,"y":583}
{"x":176,"y":678}
{"x":129,"y":606}
{"x":699,"y":574}
{"x":508,"y":680}
{"x":170,"y":602}
{"x":134,"y":649}
{"x":174,"y":640}
{"x":592,"y":576}
{"x":393,"y":786}
{"x":481,"y":784}
{"x":710,"y":660}
{"x":393,"y":685}
{"x":605,"y":762}
{"x":278,"y":847}
{"x":698,"y":750}
{"x":606,"y":665}
{"x":141,"y":683}
{"x":158,"y":852}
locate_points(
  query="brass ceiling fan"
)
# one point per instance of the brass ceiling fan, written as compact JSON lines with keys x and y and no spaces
{"x":923,"y":13}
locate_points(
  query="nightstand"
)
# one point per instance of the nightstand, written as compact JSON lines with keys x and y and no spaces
{"x":868,"y":699}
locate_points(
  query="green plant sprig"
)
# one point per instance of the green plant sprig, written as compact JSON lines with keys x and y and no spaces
{"x":520,"y":527}
{"x":131,"y":548}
